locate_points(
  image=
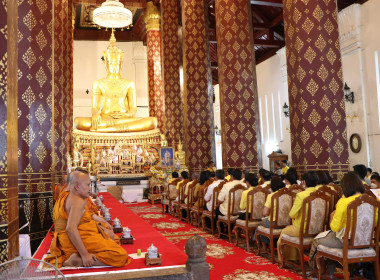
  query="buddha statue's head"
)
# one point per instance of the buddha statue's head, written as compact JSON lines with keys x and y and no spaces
{"x":113,"y":57}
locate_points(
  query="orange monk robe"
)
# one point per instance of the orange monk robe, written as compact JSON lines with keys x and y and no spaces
{"x":104,"y":248}
{"x":57,"y":190}
{"x":92,"y":206}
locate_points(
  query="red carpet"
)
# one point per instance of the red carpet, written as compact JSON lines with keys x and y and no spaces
{"x":144,"y":236}
{"x":226,"y":261}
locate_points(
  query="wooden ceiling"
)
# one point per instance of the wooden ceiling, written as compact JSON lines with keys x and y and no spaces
{"x":267,"y":21}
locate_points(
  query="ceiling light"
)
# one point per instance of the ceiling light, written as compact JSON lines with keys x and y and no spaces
{"x":112,"y":14}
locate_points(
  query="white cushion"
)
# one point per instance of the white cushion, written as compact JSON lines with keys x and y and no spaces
{"x":276,"y":231}
{"x":24,"y":246}
{"x":250,"y":224}
{"x":296,"y":239}
{"x":352,"y":253}
{"x":225,"y":218}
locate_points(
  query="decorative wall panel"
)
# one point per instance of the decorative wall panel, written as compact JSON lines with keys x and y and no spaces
{"x":198,"y":112}
{"x":238,"y":85}
{"x":156,"y":95}
{"x":317,"y":109}
{"x":170,"y":73}
{"x":35,"y":63}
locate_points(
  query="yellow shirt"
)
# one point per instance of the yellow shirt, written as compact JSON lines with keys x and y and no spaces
{"x":227,"y":178}
{"x":285,"y":169}
{"x":180,"y":182}
{"x":296,"y":213}
{"x":339,"y":220}
{"x":243,"y":201}
{"x":268,"y":204}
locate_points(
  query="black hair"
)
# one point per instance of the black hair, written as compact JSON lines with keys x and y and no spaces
{"x":229,"y":170}
{"x":291,"y":176}
{"x":236,"y":173}
{"x":267,"y":175}
{"x":361,"y":170}
{"x":185,"y":175}
{"x":369,"y":169}
{"x":322,"y":178}
{"x":276,"y":183}
{"x":277,"y":162}
{"x":375,"y":177}
{"x":311,"y":179}
{"x":205,"y":175}
{"x":285,"y":161}
{"x":252,"y":179}
{"x":175,"y":174}
{"x":220,"y":174}
{"x":351,"y":184}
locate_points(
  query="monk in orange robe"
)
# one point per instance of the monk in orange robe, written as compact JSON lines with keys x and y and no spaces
{"x":78,"y":239}
{"x":59,"y":187}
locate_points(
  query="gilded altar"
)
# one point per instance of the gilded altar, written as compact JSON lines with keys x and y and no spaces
{"x":120,"y":155}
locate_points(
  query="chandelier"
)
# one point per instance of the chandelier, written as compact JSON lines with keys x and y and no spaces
{"x":112,"y":14}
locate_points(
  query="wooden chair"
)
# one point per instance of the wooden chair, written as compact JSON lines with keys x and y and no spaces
{"x":283,"y":200}
{"x":314,"y":219}
{"x":168,"y":196}
{"x":332,"y":194}
{"x":186,"y":206}
{"x":361,"y":237}
{"x":155,"y":193}
{"x":180,"y":198}
{"x":337,"y":188}
{"x":211,"y":214}
{"x":255,"y":204}
{"x":296,"y":188}
{"x":197,"y":209}
{"x":234,"y":196}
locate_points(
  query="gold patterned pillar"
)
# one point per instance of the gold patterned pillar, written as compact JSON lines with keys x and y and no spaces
{"x":9,"y":216}
{"x":156,"y":95}
{"x":238,"y":85}
{"x":198,"y":110}
{"x":170,"y":70}
{"x":317,"y":109}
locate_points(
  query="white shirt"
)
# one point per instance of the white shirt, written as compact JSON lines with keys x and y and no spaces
{"x":223,"y":196}
{"x":263,"y":185}
{"x":208,"y":195}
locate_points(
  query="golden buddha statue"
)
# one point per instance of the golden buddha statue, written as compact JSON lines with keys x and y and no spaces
{"x":180,"y":155}
{"x":118,"y":111}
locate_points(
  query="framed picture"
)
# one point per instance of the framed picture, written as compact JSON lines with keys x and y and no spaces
{"x":167,"y":156}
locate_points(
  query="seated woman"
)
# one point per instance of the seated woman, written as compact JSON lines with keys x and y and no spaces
{"x":275,"y":184}
{"x":352,"y":188}
{"x":264,"y":177}
{"x":203,"y":178}
{"x":252,"y":181}
{"x":291,"y":253}
{"x":323,"y":180}
{"x":290,"y":178}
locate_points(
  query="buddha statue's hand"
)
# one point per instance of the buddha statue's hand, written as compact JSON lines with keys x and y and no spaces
{"x":95,"y":119}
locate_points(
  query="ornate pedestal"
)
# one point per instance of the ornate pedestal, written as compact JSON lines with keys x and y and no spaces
{"x":132,"y":156}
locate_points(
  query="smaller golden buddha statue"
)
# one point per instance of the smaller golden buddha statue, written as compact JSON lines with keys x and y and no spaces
{"x":164,"y":142}
{"x":119,"y":94}
{"x":180,"y":154}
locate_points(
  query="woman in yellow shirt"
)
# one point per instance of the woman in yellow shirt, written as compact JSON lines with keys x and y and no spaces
{"x":276,"y":184}
{"x":352,"y":188}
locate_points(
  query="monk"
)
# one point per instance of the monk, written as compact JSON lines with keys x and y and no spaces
{"x":78,"y":239}
{"x":59,"y":187}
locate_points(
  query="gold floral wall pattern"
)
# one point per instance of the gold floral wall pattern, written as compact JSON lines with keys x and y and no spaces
{"x":317,"y":109}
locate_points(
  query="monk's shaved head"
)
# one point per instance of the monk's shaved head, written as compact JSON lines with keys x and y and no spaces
{"x":74,"y":176}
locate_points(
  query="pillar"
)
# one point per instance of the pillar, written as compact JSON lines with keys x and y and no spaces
{"x":170,"y":70}
{"x":9,"y":216}
{"x":316,"y":100}
{"x":241,"y":140}
{"x":198,"y":113}
{"x":156,"y":95}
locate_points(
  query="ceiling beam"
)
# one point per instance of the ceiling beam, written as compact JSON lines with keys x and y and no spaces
{"x":270,"y":3}
{"x":130,"y":3}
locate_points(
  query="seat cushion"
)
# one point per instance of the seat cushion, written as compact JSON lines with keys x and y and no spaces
{"x":225,"y":218}
{"x":276,"y":231}
{"x":296,"y":239}
{"x":250,"y":224}
{"x":352,"y":254}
